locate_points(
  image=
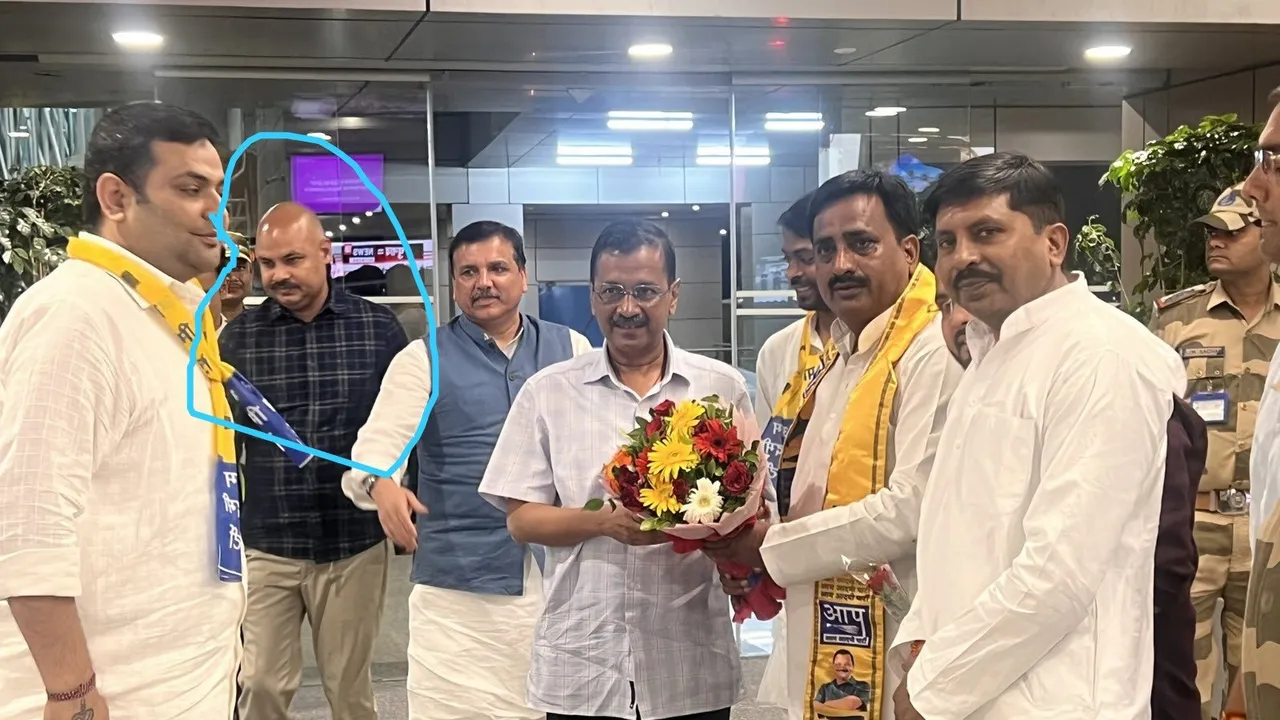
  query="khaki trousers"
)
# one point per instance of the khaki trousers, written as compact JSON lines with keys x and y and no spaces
{"x":1223,"y":573}
{"x":343,"y":603}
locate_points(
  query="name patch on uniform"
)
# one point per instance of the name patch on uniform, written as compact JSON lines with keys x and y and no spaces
{"x":1189,"y":353}
{"x":844,"y":624}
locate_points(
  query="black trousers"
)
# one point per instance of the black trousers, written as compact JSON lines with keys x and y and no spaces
{"x":713,"y":715}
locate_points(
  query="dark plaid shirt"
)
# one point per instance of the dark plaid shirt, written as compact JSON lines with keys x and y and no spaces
{"x":323,"y":377}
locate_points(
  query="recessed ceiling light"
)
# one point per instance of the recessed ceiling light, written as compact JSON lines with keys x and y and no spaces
{"x":328,"y":233}
{"x":778,"y":43}
{"x":917,"y":140}
{"x":696,"y":208}
{"x":891,"y":109}
{"x":355,"y":220}
{"x":342,"y":228}
{"x":845,"y":51}
{"x":323,"y":136}
{"x":666,"y":214}
{"x":649,"y":120}
{"x":649,"y":50}
{"x":928,"y":130}
{"x":368,"y":213}
{"x":138,"y":40}
{"x":1107,"y":52}
{"x":723,"y":231}
{"x":879,"y":113}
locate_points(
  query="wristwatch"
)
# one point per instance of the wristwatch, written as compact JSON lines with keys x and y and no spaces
{"x":367,"y":482}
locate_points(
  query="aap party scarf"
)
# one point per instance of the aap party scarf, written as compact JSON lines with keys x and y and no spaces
{"x":223,"y":379}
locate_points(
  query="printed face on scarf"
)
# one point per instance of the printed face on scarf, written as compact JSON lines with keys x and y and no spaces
{"x":488,"y":282}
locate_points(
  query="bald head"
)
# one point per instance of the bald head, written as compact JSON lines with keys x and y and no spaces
{"x":293,"y":255}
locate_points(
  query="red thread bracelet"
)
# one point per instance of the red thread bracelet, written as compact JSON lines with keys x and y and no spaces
{"x":80,"y":692}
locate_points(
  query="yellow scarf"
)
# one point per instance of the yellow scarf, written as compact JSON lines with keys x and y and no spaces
{"x":810,"y":364}
{"x":180,"y":320}
{"x":846,"y":616}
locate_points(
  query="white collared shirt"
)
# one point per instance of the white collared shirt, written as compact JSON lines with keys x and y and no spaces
{"x":777,"y":361}
{"x":882,"y":527}
{"x":106,"y":496}
{"x":1038,"y":530}
{"x":623,"y":626}
{"x":1264,"y":459}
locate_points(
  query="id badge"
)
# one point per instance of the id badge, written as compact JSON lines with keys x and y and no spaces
{"x":1211,"y":406}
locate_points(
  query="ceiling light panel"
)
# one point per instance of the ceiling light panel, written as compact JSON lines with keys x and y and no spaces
{"x":138,"y":40}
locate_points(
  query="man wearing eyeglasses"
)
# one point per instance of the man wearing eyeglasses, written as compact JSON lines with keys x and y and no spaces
{"x":1260,"y":661}
{"x":630,"y":628}
{"x":1226,"y":331}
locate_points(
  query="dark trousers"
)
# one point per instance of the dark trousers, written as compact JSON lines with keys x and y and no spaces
{"x":713,"y":715}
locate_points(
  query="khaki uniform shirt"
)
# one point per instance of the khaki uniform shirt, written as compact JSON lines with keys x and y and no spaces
{"x":1223,"y":353}
{"x":1260,"y":663}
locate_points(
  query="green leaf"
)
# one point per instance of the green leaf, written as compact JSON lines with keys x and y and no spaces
{"x":594,"y":504}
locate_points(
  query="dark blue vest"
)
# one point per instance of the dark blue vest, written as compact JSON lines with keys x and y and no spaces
{"x":463,"y":542}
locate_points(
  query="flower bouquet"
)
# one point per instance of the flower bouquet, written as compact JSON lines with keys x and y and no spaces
{"x":880,"y":580}
{"x":686,"y":472}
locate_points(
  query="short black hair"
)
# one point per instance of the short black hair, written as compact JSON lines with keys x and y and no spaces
{"x":1031,"y":188}
{"x":628,"y":236}
{"x":796,"y":219}
{"x":900,"y":204}
{"x":842,"y":652}
{"x":480,"y":231}
{"x":120,"y":144}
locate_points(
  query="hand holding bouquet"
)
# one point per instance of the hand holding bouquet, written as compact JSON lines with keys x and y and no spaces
{"x":686,"y":472}
{"x":880,"y":580}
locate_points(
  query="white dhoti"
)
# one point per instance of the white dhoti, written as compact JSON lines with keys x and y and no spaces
{"x":469,"y":653}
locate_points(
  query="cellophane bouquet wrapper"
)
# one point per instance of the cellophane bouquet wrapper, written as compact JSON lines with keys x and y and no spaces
{"x":687,"y":471}
{"x":883,"y":583}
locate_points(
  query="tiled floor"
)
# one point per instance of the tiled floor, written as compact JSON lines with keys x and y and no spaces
{"x":309,"y":703}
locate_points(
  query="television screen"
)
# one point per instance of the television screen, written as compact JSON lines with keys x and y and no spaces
{"x":329,"y":186}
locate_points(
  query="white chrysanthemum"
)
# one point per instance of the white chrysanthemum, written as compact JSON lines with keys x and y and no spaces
{"x":704,"y":503}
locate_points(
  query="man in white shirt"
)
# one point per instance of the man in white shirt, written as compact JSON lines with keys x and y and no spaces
{"x":787,"y":362}
{"x":884,"y":397}
{"x":466,"y":568}
{"x":1038,"y":532}
{"x":107,"y":499}
{"x":630,"y":628}
{"x":954,"y":321}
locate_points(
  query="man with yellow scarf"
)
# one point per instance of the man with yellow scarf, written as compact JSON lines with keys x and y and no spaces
{"x":866,"y":436}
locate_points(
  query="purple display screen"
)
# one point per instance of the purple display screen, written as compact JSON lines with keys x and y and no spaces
{"x":330,"y":186}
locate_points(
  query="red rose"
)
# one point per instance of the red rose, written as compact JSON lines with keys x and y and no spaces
{"x":680,"y":489}
{"x":654,"y":427}
{"x":736,"y":479}
{"x":626,"y":477}
{"x":642,"y":463}
{"x":662,"y":409}
{"x":878,"y":579}
{"x":629,"y":496}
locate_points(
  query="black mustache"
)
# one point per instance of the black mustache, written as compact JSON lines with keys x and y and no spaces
{"x":973,"y":273}
{"x":283,"y":286}
{"x":800,"y":281}
{"x":629,"y":322}
{"x":851,"y":280}
{"x":483,"y":294}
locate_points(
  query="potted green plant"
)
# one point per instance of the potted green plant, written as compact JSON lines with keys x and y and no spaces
{"x":1169,"y":183}
{"x":39,"y":209}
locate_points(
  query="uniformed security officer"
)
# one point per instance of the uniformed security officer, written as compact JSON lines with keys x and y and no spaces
{"x":1226,"y":331}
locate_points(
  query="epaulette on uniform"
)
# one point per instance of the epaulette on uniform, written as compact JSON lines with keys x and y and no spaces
{"x":1181,"y":296}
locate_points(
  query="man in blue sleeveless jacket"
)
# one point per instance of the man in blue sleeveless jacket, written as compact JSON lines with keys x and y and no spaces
{"x":477,"y":592}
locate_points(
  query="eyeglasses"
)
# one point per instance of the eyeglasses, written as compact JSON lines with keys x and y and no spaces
{"x":645,"y":295}
{"x":1266,"y":160}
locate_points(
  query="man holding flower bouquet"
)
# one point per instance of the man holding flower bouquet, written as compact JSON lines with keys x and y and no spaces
{"x":631,"y":628}
{"x":853,"y":497}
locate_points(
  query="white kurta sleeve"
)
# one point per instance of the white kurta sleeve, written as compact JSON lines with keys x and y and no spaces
{"x":59,"y":418}
{"x":520,"y":466}
{"x":393,"y":421}
{"x":1104,"y":431}
{"x":882,"y":527}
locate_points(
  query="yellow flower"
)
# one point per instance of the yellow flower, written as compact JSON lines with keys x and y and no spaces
{"x":660,"y":498}
{"x":684,"y":418}
{"x":668,"y":458}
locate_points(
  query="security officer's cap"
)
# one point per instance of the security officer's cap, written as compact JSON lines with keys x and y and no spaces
{"x":1231,"y":211}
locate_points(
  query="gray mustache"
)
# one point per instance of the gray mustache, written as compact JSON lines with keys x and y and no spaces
{"x":630,"y":323}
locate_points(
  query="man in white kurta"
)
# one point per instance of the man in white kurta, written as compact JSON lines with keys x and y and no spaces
{"x":1037,"y":532}
{"x":107,"y":504}
{"x":470,"y":635}
{"x":813,"y":543}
